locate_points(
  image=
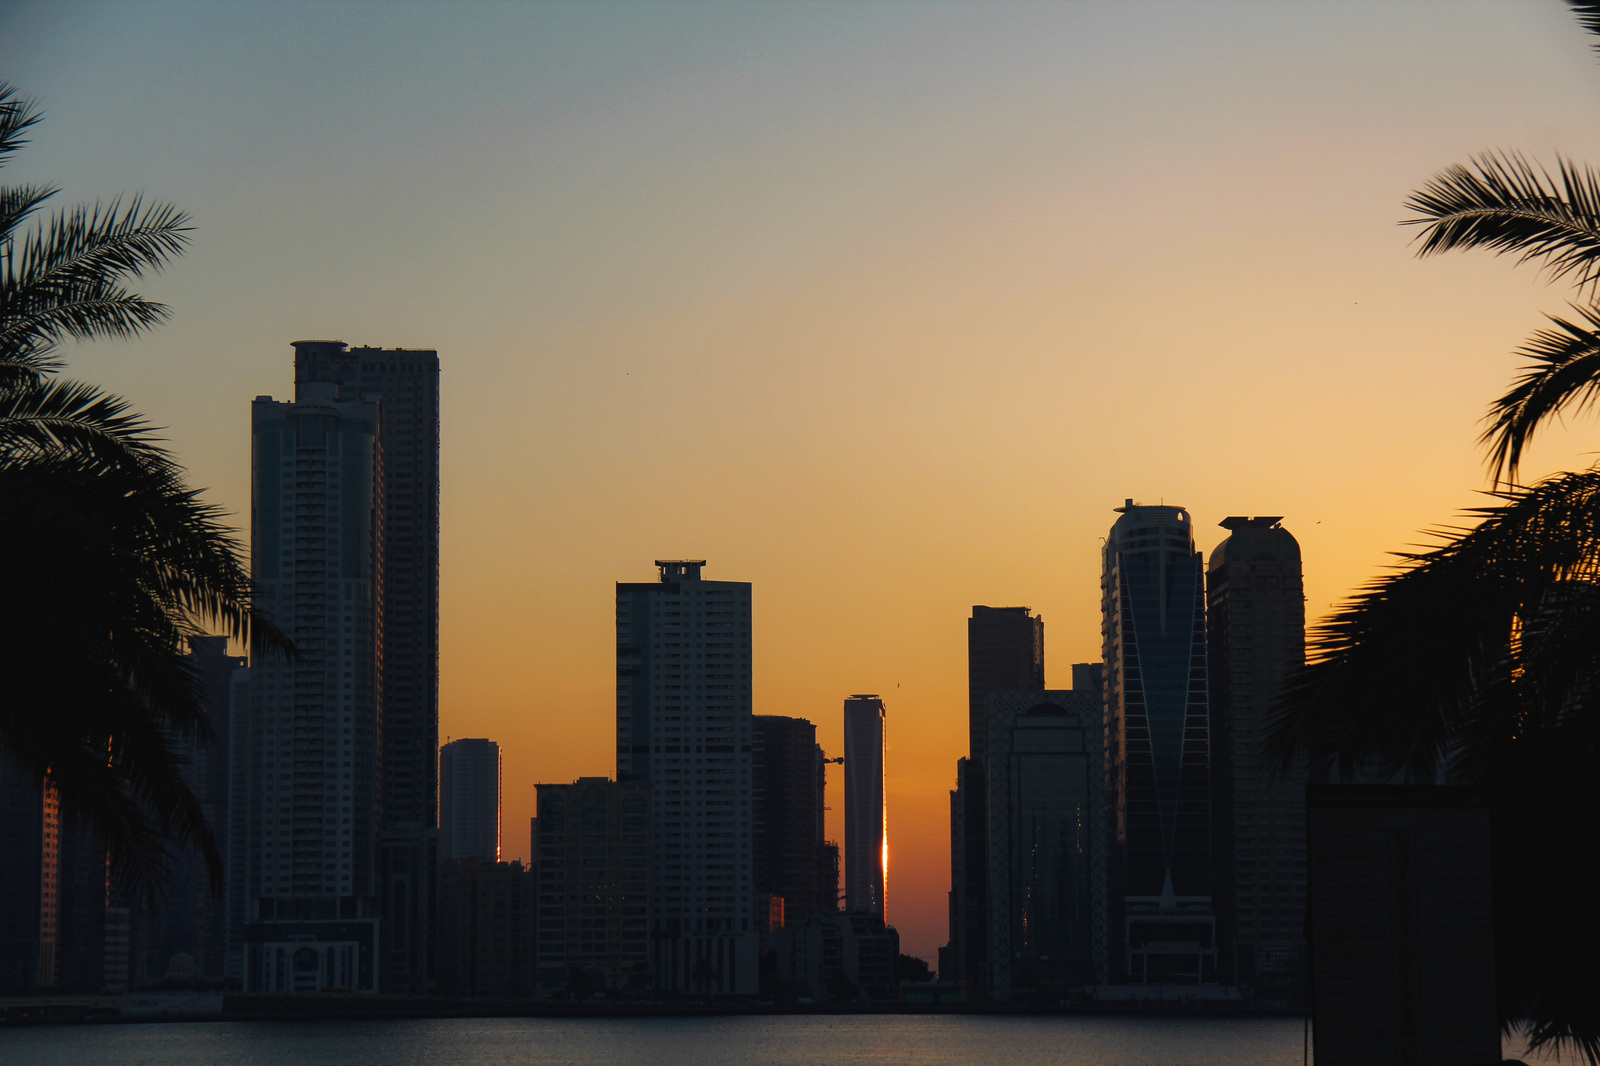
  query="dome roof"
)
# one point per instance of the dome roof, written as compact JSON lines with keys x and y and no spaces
{"x":1255,"y":540}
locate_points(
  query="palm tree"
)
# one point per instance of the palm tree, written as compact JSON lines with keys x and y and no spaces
{"x":1478,"y":660}
{"x":111,"y":560}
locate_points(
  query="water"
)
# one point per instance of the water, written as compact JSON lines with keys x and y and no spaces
{"x":869,"y":1040}
{"x":819,"y":1040}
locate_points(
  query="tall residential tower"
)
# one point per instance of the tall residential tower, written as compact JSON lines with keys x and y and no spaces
{"x":1256,"y":607}
{"x":405,"y":385}
{"x":683,"y":726}
{"x":866,"y":841}
{"x":469,"y":800}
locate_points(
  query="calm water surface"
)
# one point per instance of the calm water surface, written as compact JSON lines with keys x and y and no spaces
{"x":874,"y":1040}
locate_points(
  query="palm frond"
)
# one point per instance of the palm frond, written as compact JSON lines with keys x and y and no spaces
{"x":66,"y":280}
{"x":17,"y":113}
{"x":1507,"y":204}
{"x":1588,"y":16}
{"x":17,"y":202}
{"x":1561,"y":372}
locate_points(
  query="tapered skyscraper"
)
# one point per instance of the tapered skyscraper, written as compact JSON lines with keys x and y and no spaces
{"x":1158,"y":754}
{"x":866,"y":841}
{"x":683,"y":725}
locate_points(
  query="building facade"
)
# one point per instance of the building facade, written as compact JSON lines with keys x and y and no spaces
{"x":1255,"y":594}
{"x":313,"y":727}
{"x":787,"y":790}
{"x":1047,"y":844}
{"x":469,"y":800}
{"x":1005,"y":653}
{"x":1157,"y":745}
{"x":837,"y":956}
{"x":487,"y":929}
{"x":866,"y":839}
{"x":404,"y":383}
{"x":593,"y":868}
{"x":683,"y":726}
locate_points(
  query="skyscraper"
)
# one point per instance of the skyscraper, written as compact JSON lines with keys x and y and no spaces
{"x":788,"y":790}
{"x":1046,"y":840}
{"x":1157,"y":744}
{"x":469,"y":800}
{"x":1005,"y":653}
{"x":312,"y":917}
{"x":405,"y":384}
{"x":683,"y":725}
{"x":866,"y":841}
{"x":1257,"y":621}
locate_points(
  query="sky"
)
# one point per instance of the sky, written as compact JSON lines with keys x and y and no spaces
{"x":882,"y":307}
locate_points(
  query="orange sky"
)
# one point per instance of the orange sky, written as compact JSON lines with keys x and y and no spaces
{"x":879,"y":307}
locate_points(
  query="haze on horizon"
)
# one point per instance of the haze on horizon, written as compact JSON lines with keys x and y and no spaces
{"x":880,"y":307}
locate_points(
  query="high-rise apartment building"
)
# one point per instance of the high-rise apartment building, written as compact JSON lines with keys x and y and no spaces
{"x":866,"y":840}
{"x":313,"y":726}
{"x":593,"y":866}
{"x":1047,"y":843}
{"x":787,"y":798}
{"x":1005,"y":653}
{"x":683,"y":726}
{"x":405,"y":385}
{"x":1257,"y":621}
{"x":1158,"y":744}
{"x":469,"y":800}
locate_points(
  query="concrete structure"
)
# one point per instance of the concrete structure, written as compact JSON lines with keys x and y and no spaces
{"x":1005,"y":653}
{"x":487,"y":929}
{"x":312,"y":920}
{"x":1157,"y":746}
{"x":183,"y":937}
{"x":787,"y":800}
{"x":866,"y":837}
{"x":1047,"y":843}
{"x":593,"y":866}
{"x":845,"y":957}
{"x":405,"y":385}
{"x":683,"y":725}
{"x":1255,"y":600}
{"x":469,"y":800}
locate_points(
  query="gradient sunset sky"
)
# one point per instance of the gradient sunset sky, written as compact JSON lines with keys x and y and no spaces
{"x":882,"y":307}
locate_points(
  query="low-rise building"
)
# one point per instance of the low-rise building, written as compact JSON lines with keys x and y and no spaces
{"x":843,"y":956}
{"x":486,"y":929}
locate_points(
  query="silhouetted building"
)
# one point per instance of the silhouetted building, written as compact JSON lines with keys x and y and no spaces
{"x":469,"y":800}
{"x":593,"y":867}
{"x":1402,"y":925}
{"x":182,"y":936}
{"x":1257,"y":622}
{"x":866,"y":841}
{"x":683,"y":725}
{"x":1046,"y":843}
{"x":1157,"y":745}
{"x":487,"y":929}
{"x":405,"y":384}
{"x":30,"y":857}
{"x":843,"y":956}
{"x":313,"y":725}
{"x":1005,"y":653}
{"x":787,"y":790}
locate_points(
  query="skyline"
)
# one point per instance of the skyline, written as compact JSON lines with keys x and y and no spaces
{"x":825,"y":294}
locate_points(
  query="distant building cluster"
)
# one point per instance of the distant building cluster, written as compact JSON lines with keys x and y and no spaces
{"x":1127,"y":832}
{"x":1116,"y":834}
